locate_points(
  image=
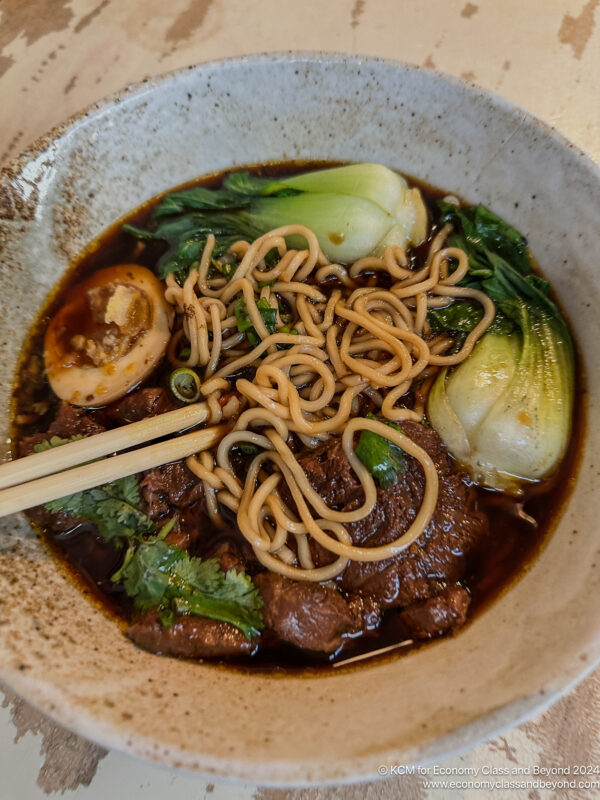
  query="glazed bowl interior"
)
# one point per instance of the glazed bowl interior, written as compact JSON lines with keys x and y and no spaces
{"x":64,"y":654}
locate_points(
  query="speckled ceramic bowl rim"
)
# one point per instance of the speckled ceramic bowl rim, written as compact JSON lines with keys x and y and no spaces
{"x":149,"y":84}
{"x":492,"y":722}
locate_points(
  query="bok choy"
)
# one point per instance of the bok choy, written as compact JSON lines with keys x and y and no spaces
{"x":355,"y":211}
{"x":505,"y":412}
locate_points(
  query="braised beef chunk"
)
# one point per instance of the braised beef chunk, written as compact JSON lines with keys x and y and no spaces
{"x":56,"y":523}
{"x":310,"y":615}
{"x":191,"y":526}
{"x":167,"y":487}
{"x":139,"y":405}
{"x":331,"y":475}
{"x":70,"y":421}
{"x":191,"y":637}
{"x":440,"y":555}
{"x":422,"y":581}
{"x":229,"y":557}
{"x":366,"y":611}
{"x":28,"y":443}
{"x":231,"y":550}
{"x":74,"y":421}
{"x":438,"y":615}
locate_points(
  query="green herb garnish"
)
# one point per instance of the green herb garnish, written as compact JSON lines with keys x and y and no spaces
{"x":247,"y":448}
{"x":112,"y":507}
{"x":244,"y":323}
{"x":384,"y":460}
{"x":164,"y":577}
{"x":156,"y":574}
{"x":55,"y":441}
{"x":185,"y":384}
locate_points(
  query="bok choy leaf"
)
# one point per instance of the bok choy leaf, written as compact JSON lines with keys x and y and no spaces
{"x":355,"y":211}
{"x":384,"y":459}
{"x":505,"y":412}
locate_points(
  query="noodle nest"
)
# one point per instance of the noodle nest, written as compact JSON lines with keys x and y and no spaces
{"x":336,"y":337}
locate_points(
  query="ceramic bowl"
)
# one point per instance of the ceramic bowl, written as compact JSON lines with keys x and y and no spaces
{"x":62,"y":653}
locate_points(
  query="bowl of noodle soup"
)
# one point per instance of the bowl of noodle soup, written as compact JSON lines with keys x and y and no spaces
{"x":63,"y":652}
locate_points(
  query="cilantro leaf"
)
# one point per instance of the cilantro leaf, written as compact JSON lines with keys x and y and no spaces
{"x":55,"y":441}
{"x":164,"y":577}
{"x":113,"y":507}
{"x":382,"y":458}
{"x":156,"y":574}
{"x":205,"y":576}
{"x":147,"y":577}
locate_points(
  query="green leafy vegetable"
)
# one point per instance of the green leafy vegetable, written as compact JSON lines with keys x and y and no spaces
{"x":112,"y":507}
{"x":499,"y":262}
{"x":244,"y":323}
{"x":462,"y":316}
{"x":186,"y":238}
{"x":382,"y":458}
{"x":244,"y":183}
{"x":54,"y":441}
{"x":505,"y":412}
{"x":164,"y":577}
{"x":354,"y":211}
{"x":484,"y":233}
{"x":247,"y":448}
{"x":198,"y":199}
{"x":286,"y":329}
{"x":155,"y":574}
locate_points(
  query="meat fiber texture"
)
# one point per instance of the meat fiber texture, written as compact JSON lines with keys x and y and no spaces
{"x":422,"y":583}
{"x":430,"y":567}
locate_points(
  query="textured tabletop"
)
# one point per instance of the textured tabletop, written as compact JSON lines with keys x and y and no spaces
{"x":58,"y":56}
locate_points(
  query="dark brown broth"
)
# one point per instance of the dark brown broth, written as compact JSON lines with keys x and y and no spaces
{"x":513,"y":543}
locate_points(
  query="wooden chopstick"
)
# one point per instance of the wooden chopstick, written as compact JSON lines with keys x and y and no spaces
{"x":69,"y":455}
{"x":36,"y":492}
